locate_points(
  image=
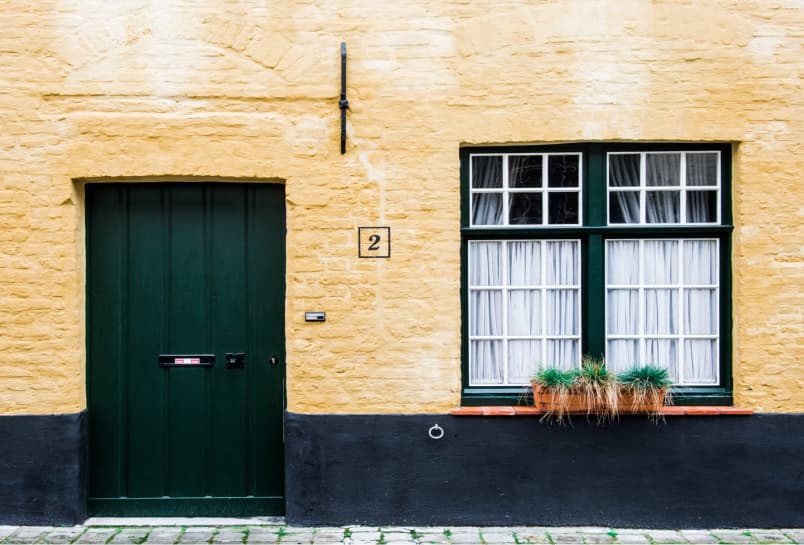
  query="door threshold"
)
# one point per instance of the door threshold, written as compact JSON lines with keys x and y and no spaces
{"x":185,"y":521}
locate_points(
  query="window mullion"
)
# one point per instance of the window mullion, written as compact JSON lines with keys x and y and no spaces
{"x":543,"y":190}
{"x":682,"y":327}
{"x":505,"y":195}
{"x":504,"y":297}
{"x":683,"y":182}
{"x":642,"y":304}
{"x":643,"y":182}
{"x":543,"y":300}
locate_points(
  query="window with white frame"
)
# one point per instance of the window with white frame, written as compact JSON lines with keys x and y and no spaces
{"x":662,"y":307}
{"x":524,"y":299}
{"x":608,"y":250}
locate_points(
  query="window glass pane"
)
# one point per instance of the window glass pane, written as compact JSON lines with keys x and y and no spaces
{"x":622,"y":314}
{"x":700,"y":312}
{"x":660,"y":260}
{"x":563,"y":353}
{"x":623,"y":170}
{"x":702,"y":169}
{"x":525,"y":209}
{"x":524,"y":358}
{"x":486,"y":313}
{"x":624,"y":207}
{"x":487,"y":171}
{"x":525,"y":171}
{"x":622,"y":354}
{"x":701,"y":206}
{"x":524,"y":263}
{"x":562,"y":208}
{"x":562,"y":170}
{"x":562,"y":312}
{"x":485,"y":362}
{"x":524,"y":313}
{"x":700,"y":262}
{"x":622,"y":265}
{"x":663,"y":169}
{"x":662,"y":353}
{"x":487,"y":209}
{"x":663,"y":206}
{"x":562,"y":263}
{"x":485,"y":263}
{"x":700,"y":361}
{"x":661,"y":312}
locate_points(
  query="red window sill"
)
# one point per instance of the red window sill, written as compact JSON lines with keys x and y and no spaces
{"x":666,"y":411}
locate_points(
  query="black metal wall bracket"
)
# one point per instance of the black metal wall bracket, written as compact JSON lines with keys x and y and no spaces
{"x":343,"y":103}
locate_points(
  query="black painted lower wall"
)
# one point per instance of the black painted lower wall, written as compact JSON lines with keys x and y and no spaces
{"x":43,"y":469}
{"x":690,"y":472}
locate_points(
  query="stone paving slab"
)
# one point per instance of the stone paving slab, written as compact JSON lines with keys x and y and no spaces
{"x":28,"y":534}
{"x":698,"y":537}
{"x":665,"y":537}
{"x":166,"y":535}
{"x":198,"y":534}
{"x":631,"y":537}
{"x":97,"y":535}
{"x":230,"y":536}
{"x":6,"y":531}
{"x":130,"y":536}
{"x":769,"y":536}
{"x":733,"y":536}
{"x":64,"y":535}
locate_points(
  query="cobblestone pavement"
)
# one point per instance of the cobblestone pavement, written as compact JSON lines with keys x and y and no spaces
{"x":364,"y":535}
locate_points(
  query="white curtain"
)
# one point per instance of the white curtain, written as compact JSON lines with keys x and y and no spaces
{"x":486,"y":209}
{"x":486,"y":174}
{"x":663,"y":206}
{"x":654,"y":304}
{"x":485,"y":311}
{"x":701,"y":169}
{"x":624,"y":172}
{"x":525,"y":262}
{"x":541,"y":305}
{"x":701,"y":206}
{"x":523,"y":359}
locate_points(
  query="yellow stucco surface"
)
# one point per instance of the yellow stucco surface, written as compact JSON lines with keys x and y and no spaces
{"x":248,"y":89}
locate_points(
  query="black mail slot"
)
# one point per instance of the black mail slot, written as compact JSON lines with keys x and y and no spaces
{"x":187,"y":360}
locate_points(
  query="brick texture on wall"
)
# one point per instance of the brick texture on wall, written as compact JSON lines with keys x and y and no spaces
{"x":248,"y":90}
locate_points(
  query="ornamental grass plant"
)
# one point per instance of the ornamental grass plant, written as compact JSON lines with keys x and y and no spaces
{"x":648,"y":387}
{"x":599,"y":388}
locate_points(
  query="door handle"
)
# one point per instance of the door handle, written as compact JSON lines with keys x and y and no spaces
{"x":235,"y":361}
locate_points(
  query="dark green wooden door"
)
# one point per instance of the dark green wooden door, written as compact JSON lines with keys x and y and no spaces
{"x":185,"y":270}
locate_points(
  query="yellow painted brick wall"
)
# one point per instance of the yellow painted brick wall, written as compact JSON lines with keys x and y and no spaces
{"x":216,"y":88}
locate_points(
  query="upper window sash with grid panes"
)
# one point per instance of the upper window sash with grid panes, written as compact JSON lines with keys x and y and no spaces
{"x":664,"y":188}
{"x":525,"y":189}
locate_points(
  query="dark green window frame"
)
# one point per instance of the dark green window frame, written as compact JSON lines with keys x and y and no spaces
{"x":593,"y":233}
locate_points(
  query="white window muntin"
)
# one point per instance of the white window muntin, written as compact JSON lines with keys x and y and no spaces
{"x":680,"y":286}
{"x":505,"y":288}
{"x":506,"y":191}
{"x":682,"y":188}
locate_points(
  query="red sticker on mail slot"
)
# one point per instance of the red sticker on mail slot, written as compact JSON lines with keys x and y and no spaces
{"x":186,"y":361}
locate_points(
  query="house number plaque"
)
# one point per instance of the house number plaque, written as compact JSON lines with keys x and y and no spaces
{"x":374,"y":242}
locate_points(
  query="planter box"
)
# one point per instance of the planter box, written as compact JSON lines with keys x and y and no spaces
{"x":547,"y":401}
{"x":576,"y":403}
{"x":627,"y":404}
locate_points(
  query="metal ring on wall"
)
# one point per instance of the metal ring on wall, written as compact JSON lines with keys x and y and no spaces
{"x":435,"y":432}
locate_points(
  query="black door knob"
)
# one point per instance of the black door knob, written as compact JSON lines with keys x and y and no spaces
{"x":235,"y":361}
